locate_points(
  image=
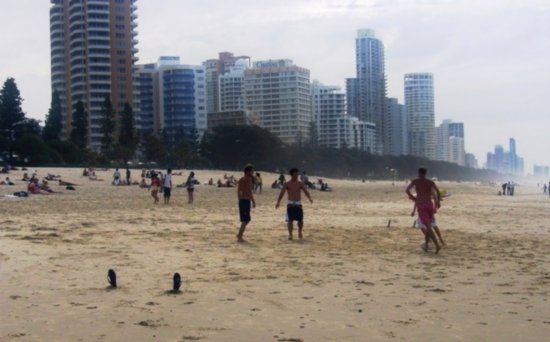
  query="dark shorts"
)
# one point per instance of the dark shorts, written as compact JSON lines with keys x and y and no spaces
{"x":167,"y":192}
{"x":295,"y":213}
{"x":190,"y":190}
{"x":244,"y":210}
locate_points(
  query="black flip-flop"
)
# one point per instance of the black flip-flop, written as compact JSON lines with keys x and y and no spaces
{"x":177,"y":282}
{"x":111,"y":277}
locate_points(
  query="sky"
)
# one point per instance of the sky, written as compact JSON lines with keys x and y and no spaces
{"x":490,"y":58}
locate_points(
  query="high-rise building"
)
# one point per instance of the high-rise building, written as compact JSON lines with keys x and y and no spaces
{"x":457,"y":154}
{"x":278,"y":94}
{"x":371,"y":82}
{"x":442,"y":141}
{"x":214,"y":68}
{"x":231,"y":87}
{"x":329,"y":104}
{"x":395,"y":130}
{"x":146,"y":98}
{"x":507,"y":162}
{"x":419,"y":104}
{"x":172,"y":99}
{"x":352,"y":97}
{"x":356,"y":134}
{"x":93,"y":51}
{"x":456,"y":129}
{"x":471,"y":161}
{"x":541,"y":171}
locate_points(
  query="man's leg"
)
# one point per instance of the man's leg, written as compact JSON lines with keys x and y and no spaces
{"x":431,"y":235}
{"x":241,"y":231}
{"x":290,"y":228}
{"x":438,"y":232}
{"x":300,"y":227}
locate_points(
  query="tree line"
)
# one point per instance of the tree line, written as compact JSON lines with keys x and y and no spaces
{"x":228,"y":147}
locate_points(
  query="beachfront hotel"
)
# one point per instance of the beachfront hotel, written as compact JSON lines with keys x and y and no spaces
{"x":170,"y":98}
{"x":278,"y":93}
{"x":328,"y":105}
{"x":93,"y":51}
{"x":214,"y":68}
{"x":419,"y":105}
{"x":367,"y":91}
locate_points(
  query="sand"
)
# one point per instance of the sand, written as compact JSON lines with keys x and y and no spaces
{"x":351,"y":279}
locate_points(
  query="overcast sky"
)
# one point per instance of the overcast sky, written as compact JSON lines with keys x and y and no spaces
{"x":490,"y":58}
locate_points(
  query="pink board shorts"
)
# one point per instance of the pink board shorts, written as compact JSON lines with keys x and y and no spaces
{"x":425,"y":212}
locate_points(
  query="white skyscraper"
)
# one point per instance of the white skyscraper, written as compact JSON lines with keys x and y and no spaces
{"x":419,"y":104}
{"x":231,"y":87}
{"x":357,"y":134}
{"x":329,"y":104}
{"x":278,"y":93}
{"x":368,"y":89}
{"x":457,"y":154}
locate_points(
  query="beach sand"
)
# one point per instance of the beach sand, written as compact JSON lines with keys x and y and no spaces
{"x":351,"y":279}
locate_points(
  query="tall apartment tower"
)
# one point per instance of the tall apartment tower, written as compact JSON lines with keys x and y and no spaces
{"x":231,"y":87}
{"x":278,"y":93}
{"x":370,"y":87}
{"x":419,"y":104}
{"x":93,"y":50}
{"x":171,"y":99}
{"x":214,"y":68}
{"x":328,"y":104}
{"x":395,"y":128}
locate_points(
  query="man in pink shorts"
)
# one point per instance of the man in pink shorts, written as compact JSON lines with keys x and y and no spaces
{"x":424,"y":204}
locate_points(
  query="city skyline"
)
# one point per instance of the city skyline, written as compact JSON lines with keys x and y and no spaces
{"x":493,"y":77}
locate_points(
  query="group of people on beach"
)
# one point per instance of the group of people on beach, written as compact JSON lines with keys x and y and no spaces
{"x":508,"y":189}
{"x":163,"y":184}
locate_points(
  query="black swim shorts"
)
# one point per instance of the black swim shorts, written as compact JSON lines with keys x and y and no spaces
{"x":167,"y":192}
{"x":295,"y":213}
{"x":244,"y":210}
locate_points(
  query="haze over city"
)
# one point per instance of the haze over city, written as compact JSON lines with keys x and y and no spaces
{"x":490,"y":59}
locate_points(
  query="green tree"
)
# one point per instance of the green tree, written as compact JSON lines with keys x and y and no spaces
{"x":79,"y":132}
{"x":32,"y":149}
{"x":153,"y":148}
{"x":107,"y":127}
{"x":11,"y":114}
{"x":54,"y":120}
{"x":127,"y":137}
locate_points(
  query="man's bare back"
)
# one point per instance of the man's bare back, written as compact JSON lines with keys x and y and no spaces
{"x":424,"y":188}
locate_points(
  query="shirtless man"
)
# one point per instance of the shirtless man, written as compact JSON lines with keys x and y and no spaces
{"x":424,"y":205}
{"x":246,"y":199}
{"x":294,"y":208}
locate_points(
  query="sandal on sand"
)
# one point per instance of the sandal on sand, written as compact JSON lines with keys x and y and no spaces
{"x":111,"y":278}
{"x":177,"y":282}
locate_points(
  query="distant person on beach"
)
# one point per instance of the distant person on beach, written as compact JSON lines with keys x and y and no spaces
{"x":294,"y":207}
{"x":246,"y":199}
{"x":504,"y":187}
{"x":190,"y":186}
{"x":128,"y":176}
{"x":167,"y":185}
{"x":544,"y":188}
{"x":155,"y":186}
{"x":258,"y":183}
{"x":423,"y":200}
{"x":116,"y":177}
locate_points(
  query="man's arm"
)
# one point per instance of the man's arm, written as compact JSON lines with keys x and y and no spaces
{"x":408,"y":191}
{"x":281,"y":194}
{"x":438,"y":195}
{"x":239,"y":189}
{"x":304,"y":189}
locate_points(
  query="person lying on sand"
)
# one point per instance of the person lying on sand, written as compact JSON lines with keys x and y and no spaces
{"x":7,"y":182}
{"x":33,"y":188}
{"x":45,"y":186}
{"x":63,"y":183}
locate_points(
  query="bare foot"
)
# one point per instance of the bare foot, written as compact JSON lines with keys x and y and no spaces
{"x":300,"y":235}
{"x":290,"y":237}
{"x":437,"y":249}
{"x":240,"y":239}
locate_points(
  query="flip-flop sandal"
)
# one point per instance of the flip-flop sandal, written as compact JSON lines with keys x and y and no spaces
{"x":177,"y":282}
{"x":111,"y":278}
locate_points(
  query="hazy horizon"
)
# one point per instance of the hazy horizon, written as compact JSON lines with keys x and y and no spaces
{"x":490,"y":60}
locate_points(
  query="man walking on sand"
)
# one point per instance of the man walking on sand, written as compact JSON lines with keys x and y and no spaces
{"x":294,"y":208}
{"x":246,"y":199}
{"x":424,"y":205}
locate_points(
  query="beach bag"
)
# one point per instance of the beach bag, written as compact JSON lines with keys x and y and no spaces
{"x":21,"y":194}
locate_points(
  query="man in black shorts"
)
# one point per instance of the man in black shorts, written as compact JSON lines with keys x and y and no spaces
{"x":246,"y":199}
{"x":294,"y":207}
